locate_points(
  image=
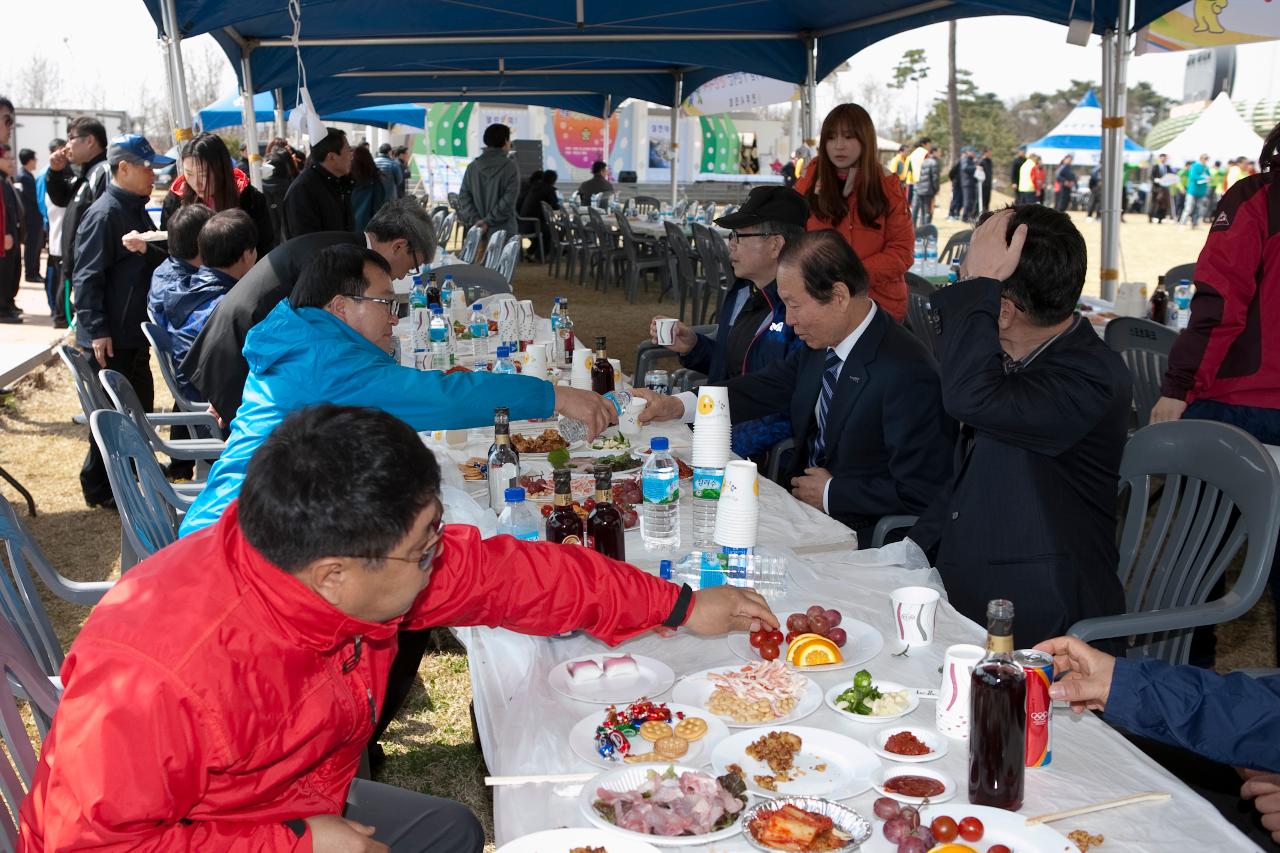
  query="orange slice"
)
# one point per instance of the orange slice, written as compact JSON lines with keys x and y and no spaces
{"x":812,"y":650}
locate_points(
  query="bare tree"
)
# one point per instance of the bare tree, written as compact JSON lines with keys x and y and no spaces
{"x":953,"y":98}
{"x":40,"y":84}
{"x":206,"y":70}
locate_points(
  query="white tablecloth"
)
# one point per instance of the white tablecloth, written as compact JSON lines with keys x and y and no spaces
{"x":524,"y":724}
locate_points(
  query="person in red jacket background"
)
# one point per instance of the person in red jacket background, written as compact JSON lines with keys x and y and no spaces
{"x":849,"y":191}
{"x":220,"y":697}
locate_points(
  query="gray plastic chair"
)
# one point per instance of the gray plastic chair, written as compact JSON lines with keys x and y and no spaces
{"x":470,"y":245}
{"x":773,"y":466}
{"x":493,"y":251}
{"x":162,"y":346}
{"x":149,"y":506}
{"x":1176,"y":274}
{"x":684,"y":278}
{"x":706,"y":251}
{"x":91,"y":393}
{"x":509,"y":257}
{"x":23,"y":681}
{"x":957,"y":246}
{"x":918,"y":321}
{"x":887,"y":525}
{"x":201,"y":450}
{"x":1219,"y":491}
{"x":648,"y":354}
{"x":1144,"y":346}
{"x":445,"y":231}
{"x":647,"y":204}
{"x":642,"y":256}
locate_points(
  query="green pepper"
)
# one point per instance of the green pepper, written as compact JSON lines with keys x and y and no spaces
{"x":862,"y":680}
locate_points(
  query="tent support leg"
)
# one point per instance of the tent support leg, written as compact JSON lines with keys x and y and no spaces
{"x":677,"y":100}
{"x":250,"y":118}
{"x":1115,"y":54}
{"x":175,"y":76}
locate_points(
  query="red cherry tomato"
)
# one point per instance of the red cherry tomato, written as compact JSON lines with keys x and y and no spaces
{"x":770,"y":651}
{"x":756,"y":638}
{"x":774,"y":637}
{"x":998,"y":848}
{"x":971,"y":829}
{"x":944,"y":829}
{"x":546,"y":510}
{"x":791,"y":635}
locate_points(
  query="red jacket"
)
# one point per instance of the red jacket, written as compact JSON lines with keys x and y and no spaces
{"x":206,"y":699}
{"x":1230,"y":351}
{"x":886,"y":248}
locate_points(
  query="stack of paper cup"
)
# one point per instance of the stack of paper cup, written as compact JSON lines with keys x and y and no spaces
{"x":952,"y":717}
{"x":508,"y":320}
{"x":580,"y":374}
{"x":711,"y":428}
{"x":537,"y":362}
{"x":738,"y":511}
{"x":528,"y":320}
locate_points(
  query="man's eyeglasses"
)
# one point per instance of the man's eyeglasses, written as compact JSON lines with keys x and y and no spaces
{"x":1015,"y":303}
{"x":424,"y":561}
{"x":735,"y":236}
{"x":398,"y":309}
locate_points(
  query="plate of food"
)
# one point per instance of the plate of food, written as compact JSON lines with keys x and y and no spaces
{"x":647,"y":732}
{"x":767,"y":693}
{"x":611,"y":440}
{"x":610,"y":679}
{"x":668,"y":807}
{"x":869,"y":700}
{"x":818,"y":640}
{"x":474,"y":469}
{"x":536,"y":445}
{"x":805,"y":825}
{"x":576,"y":839}
{"x":909,"y":744}
{"x":686,"y":471}
{"x":797,"y":761}
{"x":964,"y":828}
{"x":913,"y":784}
{"x":618,"y":463}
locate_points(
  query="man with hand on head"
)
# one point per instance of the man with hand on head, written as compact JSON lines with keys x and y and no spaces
{"x":237,"y":674}
{"x":863,"y":396}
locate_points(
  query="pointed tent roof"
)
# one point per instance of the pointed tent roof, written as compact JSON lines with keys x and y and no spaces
{"x":1080,"y":135}
{"x":1218,"y":131}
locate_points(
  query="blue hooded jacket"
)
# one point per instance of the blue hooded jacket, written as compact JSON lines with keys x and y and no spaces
{"x":307,"y":356}
{"x":181,"y":300}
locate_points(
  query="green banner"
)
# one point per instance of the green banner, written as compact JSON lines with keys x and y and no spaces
{"x":447,"y":128}
{"x":720,"y":145}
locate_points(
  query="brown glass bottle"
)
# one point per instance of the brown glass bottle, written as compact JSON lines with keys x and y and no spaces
{"x":605,"y":530}
{"x":998,"y":718}
{"x":601,"y":370}
{"x":564,"y":526}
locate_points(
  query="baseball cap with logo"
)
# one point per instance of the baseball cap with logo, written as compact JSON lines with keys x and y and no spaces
{"x":134,"y":148}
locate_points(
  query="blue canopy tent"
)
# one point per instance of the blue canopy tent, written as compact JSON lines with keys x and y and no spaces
{"x":229,"y":111}
{"x":1080,"y":135}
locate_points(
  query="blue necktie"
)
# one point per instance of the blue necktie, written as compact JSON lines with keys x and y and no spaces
{"x":818,"y":453}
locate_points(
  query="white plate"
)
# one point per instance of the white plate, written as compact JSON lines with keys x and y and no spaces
{"x":891,"y":770}
{"x":913,"y":701}
{"x":849,"y":765}
{"x":928,"y":737}
{"x":564,"y":840}
{"x":864,"y":643}
{"x":582,"y":739}
{"x":1003,"y":827}
{"x":696,"y":689}
{"x":627,"y":778}
{"x":654,"y":677}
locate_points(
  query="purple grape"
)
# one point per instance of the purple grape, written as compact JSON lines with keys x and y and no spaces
{"x":911,"y":816}
{"x":886,"y":808}
{"x":925,"y":835}
{"x":896,"y":829}
{"x":911,"y":844}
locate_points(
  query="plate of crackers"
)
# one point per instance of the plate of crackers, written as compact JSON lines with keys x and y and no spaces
{"x":626,"y":735}
{"x":474,"y":469}
{"x":797,"y":761}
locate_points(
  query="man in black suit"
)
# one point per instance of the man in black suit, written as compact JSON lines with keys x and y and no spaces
{"x":863,"y":395}
{"x":401,"y":232}
{"x":1031,"y":513}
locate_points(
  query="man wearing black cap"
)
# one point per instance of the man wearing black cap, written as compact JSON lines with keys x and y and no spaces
{"x":110,"y":284}
{"x":753,"y":330}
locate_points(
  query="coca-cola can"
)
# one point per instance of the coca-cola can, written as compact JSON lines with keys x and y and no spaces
{"x":1039,"y":669}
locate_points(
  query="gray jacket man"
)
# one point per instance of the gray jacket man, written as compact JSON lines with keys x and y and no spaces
{"x":491,"y":184}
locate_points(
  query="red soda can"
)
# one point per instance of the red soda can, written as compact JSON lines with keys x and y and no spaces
{"x":1039,"y":669}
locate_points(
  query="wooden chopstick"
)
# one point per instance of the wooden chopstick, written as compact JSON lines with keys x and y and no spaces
{"x":563,"y":778}
{"x":1144,"y":797}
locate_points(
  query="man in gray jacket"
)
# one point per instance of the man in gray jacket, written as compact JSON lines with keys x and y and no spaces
{"x":926,"y":189}
{"x":490,"y":185}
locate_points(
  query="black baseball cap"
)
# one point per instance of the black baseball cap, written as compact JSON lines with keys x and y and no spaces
{"x":769,"y":204}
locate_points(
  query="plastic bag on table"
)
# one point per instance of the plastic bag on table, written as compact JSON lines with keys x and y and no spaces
{"x":904,"y":554}
{"x":459,"y":506}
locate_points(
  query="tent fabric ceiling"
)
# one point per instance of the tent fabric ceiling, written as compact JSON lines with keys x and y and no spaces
{"x":539,"y":46}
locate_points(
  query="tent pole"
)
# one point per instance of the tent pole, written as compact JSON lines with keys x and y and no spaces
{"x":250,"y":118}
{"x":808,"y":98}
{"x":1113,"y":115}
{"x":179,"y":109}
{"x":675,"y":136}
{"x":608,"y":107}
{"x":278,"y":94}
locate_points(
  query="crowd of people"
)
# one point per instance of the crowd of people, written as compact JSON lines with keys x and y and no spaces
{"x":315,"y":559}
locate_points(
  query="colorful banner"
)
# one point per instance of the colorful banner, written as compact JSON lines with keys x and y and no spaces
{"x":738,"y":91}
{"x":1211,"y":23}
{"x":659,"y":143}
{"x":447,"y":128}
{"x":580,"y":138}
{"x":516,"y":118}
{"x":720,"y":145}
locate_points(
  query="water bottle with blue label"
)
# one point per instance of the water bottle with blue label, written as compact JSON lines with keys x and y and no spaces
{"x":706,"y":497}
{"x":441,"y":358}
{"x":660,"y":484}
{"x":931,"y":255}
{"x":503,"y":364}
{"x":479,"y":328}
{"x":917,"y":266}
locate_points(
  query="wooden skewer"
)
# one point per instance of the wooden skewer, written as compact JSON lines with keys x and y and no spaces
{"x":563,"y":778}
{"x":1144,"y":797}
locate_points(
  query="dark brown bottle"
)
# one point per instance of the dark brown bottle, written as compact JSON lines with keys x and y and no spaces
{"x":601,"y":370}
{"x":998,"y":717}
{"x":564,"y":526}
{"x":605,"y":529}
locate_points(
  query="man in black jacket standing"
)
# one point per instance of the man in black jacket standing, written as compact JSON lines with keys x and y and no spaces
{"x":1031,"y":513}
{"x":110,"y":285}
{"x":319,"y":199}
{"x":77,"y":187}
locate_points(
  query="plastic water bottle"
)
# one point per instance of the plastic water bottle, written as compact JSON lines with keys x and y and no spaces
{"x":479,"y":328}
{"x":707,"y":483}
{"x":447,"y":293}
{"x":573,"y":430}
{"x":931,"y":255}
{"x":418,"y":293}
{"x":517,"y":518}
{"x":917,"y":266}
{"x":504,"y":364}
{"x":441,"y":357}
{"x":555,"y":322}
{"x":419,"y":323}
{"x":660,"y":483}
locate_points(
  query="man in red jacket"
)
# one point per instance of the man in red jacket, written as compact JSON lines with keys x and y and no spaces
{"x":219,"y":698}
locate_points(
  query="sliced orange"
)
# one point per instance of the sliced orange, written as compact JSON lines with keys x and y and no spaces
{"x":812,"y":650}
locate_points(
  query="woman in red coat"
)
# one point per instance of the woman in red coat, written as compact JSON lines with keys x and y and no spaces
{"x":849,"y":191}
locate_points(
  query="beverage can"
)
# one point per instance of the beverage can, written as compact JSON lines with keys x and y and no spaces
{"x":658,"y":381}
{"x":1039,"y":669}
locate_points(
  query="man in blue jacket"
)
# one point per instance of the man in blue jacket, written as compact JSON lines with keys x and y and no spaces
{"x":753,"y":331}
{"x":330,"y":342}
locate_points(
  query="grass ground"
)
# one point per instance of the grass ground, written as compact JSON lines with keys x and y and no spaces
{"x":430,"y":748}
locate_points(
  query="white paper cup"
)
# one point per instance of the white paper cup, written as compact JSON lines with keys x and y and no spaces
{"x":618,"y":378}
{"x":952,"y":716}
{"x":528,"y":320}
{"x":628,"y":423}
{"x":914,"y":608}
{"x":713,"y":404}
{"x":740,"y":494}
{"x":581,"y":370}
{"x":666,"y":331}
{"x":536,"y":362}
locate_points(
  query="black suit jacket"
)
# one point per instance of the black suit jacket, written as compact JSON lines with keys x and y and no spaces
{"x":1031,"y":514}
{"x":215,"y":364}
{"x":888,"y":439}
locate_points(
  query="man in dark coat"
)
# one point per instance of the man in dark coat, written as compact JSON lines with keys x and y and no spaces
{"x":1031,"y":513}
{"x":78,"y":176}
{"x":319,"y":199}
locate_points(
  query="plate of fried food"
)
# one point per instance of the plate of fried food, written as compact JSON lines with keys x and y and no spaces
{"x":805,"y":825}
{"x":758,"y":694}
{"x":538,"y":445}
{"x":647,"y":732}
{"x":798,"y":761}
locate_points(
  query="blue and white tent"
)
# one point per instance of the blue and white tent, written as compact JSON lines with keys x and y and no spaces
{"x":1080,"y":135}
{"x":228,"y":112}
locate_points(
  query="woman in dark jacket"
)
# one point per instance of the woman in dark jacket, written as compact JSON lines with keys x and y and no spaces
{"x":284,"y":168}
{"x":368,"y":192}
{"x":209,"y":178}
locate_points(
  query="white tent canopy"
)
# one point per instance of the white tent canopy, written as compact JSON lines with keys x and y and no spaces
{"x":1080,"y":135}
{"x":1218,"y":131}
